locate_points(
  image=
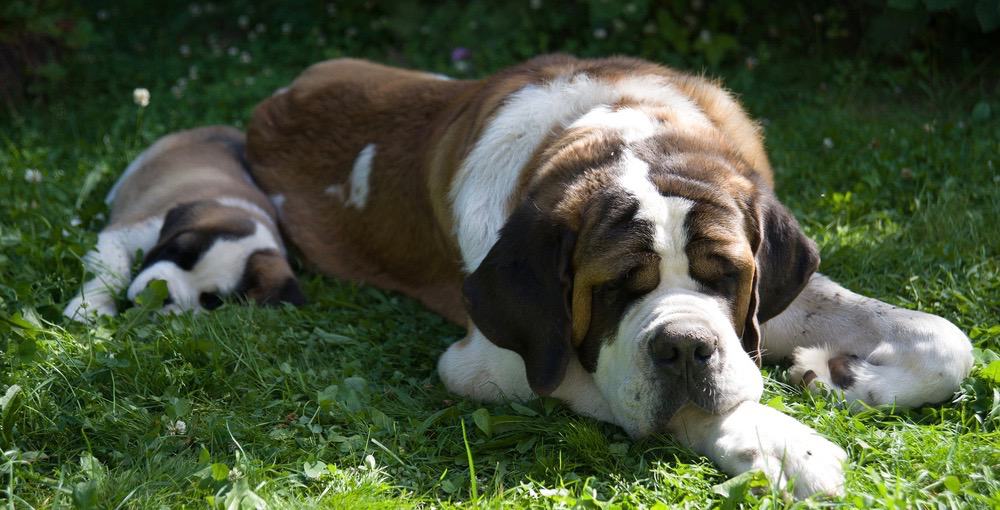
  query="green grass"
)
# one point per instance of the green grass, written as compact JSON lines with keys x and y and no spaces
{"x":338,"y":405}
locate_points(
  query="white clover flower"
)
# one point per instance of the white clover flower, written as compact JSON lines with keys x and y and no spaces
{"x":235,"y":474}
{"x":243,"y":21}
{"x":286,"y":28}
{"x":193,"y":73}
{"x":233,"y":51}
{"x":185,"y":50}
{"x":245,"y":58}
{"x":705,"y":36}
{"x":194,"y":9}
{"x":535,"y":4}
{"x":33,"y":176}
{"x":600,"y":33}
{"x":141,"y":97}
{"x":827,"y":143}
{"x":75,"y":221}
{"x":103,"y":14}
{"x":370,"y":462}
{"x":177,"y":428}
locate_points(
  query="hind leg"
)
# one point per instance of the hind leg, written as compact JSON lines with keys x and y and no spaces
{"x":111,"y":264}
{"x":871,"y":351}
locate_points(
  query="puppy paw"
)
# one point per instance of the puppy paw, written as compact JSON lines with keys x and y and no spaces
{"x":88,"y":309}
{"x":182,"y":296}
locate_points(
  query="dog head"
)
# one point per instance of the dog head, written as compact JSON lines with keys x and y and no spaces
{"x":654,"y":263}
{"x":208,"y":250}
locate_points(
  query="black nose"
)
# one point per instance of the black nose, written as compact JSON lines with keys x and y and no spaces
{"x":672,"y":350}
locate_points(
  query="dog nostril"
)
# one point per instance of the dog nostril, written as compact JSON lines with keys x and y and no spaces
{"x":665,"y":352}
{"x":704,"y":351}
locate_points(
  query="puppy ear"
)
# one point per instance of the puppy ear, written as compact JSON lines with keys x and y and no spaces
{"x":520,"y":295}
{"x":268,"y":280}
{"x":785,"y":260}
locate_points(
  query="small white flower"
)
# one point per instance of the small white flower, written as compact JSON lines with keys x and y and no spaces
{"x":233,"y":51}
{"x":194,"y":9}
{"x":630,"y":8}
{"x":649,"y":28}
{"x":286,"y":28}
{"x":193,"y":72}
{"x":33,"y":176}
{"x":245,"y":58}
{"x":705,"y":36}
{"x":260,"y":28}
{"x":370,"y":462}
{"x":535,"y":4}
{"x":243,"y":21}
{"x":600,"y":33}
{"x":185,"y":50}
{"x":75,"y":221}
{"x":103,"y":14}
{"x":331,"y":9}
{"x":177,"y":428}
{"x":827,"y":143}
{"x":177,"y":91}
{"x":235,"y":474}
{"x":141,"y":97}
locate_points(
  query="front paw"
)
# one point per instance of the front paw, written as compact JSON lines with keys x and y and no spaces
{"x":801,"y":457}
{"x":757,"y":437}
{"x":88,"y":309}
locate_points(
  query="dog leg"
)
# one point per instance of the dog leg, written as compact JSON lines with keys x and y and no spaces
{"x":871,"y":351}
{"x":476,"y":368}
{"x":755,"y":436}
{"x":111,"y":264}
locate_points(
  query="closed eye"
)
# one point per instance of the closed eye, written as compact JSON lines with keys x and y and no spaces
{"x":209,"y":300}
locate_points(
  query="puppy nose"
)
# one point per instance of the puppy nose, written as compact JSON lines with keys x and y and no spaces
{"x":672,"y":351}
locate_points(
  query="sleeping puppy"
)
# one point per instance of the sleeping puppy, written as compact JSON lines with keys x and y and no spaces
{"x":190,"y":206}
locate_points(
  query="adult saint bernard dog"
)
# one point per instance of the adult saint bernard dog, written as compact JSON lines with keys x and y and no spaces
{"x":608,"y":231}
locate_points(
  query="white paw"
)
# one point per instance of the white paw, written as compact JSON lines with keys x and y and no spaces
{"x":87,"y":309}
{"x":756,"y":437}
{"x":809,"y":461}
{"x":183,"y":296}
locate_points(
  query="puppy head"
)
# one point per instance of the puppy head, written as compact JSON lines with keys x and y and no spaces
{"x":207,"y":251}
{"x":655,"y":271}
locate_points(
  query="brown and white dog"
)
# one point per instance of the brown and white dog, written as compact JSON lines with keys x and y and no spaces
{"x":189,"y":204}
{"x":608,"y":232}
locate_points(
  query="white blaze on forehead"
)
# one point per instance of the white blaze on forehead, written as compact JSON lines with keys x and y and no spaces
{"x":482,"y":187}
{"x":666,"y":215}
{"x":246,"y":205}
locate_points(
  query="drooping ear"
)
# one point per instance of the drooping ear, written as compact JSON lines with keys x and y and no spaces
{"x":519,"y":296}
{"x":268,"y":280}
{"x":785,"y":260}
{"x":750,"y":336}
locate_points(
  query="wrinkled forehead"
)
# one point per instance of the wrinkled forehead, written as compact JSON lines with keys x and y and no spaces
{"x":661,"y":207}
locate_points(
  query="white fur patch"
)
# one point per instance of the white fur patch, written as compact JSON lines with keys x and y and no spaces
{"x":361,"y":177}
{"x":755,"y":436}
{"x":481,"y":189}
{"x":111,"y":263}
{"x":360,"y":181}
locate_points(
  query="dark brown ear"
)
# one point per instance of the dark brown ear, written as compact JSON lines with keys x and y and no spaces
{"x":785,"y":260}
{"x":268,"y":280}
{"x":519,"y":296}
